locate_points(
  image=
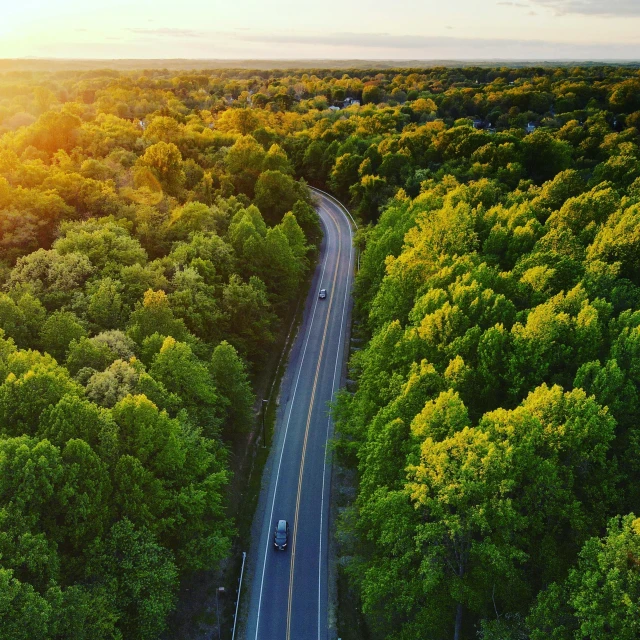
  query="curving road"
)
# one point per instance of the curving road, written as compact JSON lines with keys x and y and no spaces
{"x":288,"y":591}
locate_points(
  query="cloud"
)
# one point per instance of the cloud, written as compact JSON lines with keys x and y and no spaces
{"x":166,"y":32}
{"x":513,"y":4}
{"x":439,"y":47}
{"x":257,"y":44}
{"x":365,"y":40}
{"x":593,"y":7}
{"x":385,"y":46}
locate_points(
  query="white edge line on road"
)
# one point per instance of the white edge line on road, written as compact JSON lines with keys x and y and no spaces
{"x":336,"y":201}
{"x":286,"y":430}
{"x":333,"y":391}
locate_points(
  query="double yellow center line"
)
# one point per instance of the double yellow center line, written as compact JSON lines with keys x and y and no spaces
{"x":306,"y":433}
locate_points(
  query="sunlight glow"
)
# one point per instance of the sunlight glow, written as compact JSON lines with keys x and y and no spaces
{"x":329,"y":29}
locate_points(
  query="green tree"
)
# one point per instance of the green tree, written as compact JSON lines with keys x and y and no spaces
{"x":251,"y":318}
{"x":313,"y":162}
{"x":467,"y":545}
{"x":277,"y":160}
{"x":143,"y":578}
{"x":164,"y":160}
{"x":544,"y":156}
{"x":372,"y":93}
{"x":53,"y":276}
{"x":229,"y":376}
{"x":599,"y":599}
{"x":244,"y":161}
{"x":88,"y":353}
{"x":82,"y":506}
{"x":182,"y":373}
{"x":295,"y":237}
{"x":155,"y":316}
{"x":74,"y":417}
{"x":53,"y":131}
{"x":107,"y":244}
{"x":84,"y":613}
{"x":192,"y":217}
{"x":58,"y":331}
{"x":24,"y":613}
{"x":33,"y":383}
{"x":105,"y":304}
{"x":345,"y":174}
{"x":309,"y":221}
{"x":276,"y":193}
{"x":164,"y":461}
{"x":618,"y":240}
{"x":195,"y":302}
{"x":21,"y":320}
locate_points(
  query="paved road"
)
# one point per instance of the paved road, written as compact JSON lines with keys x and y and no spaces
{"x":288,"y":590}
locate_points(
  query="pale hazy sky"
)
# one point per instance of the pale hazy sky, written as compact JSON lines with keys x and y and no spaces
{"x":389,"y":29}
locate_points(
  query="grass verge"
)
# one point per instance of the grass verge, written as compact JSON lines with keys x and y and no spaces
{"x":351,"y":625}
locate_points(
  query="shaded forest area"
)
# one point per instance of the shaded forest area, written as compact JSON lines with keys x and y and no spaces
{"x":154,"y":227}
{"x":146,"y":265}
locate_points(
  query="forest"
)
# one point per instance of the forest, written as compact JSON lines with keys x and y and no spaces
{"x":155,"y":227}
{"x":146,"y":266}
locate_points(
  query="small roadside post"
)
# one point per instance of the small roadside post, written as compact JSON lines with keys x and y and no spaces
{"x":265,"y":402}
{"x":219,"y":592}
{"x":235,"y":617}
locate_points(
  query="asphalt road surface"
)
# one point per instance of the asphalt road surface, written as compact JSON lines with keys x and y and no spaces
{"x":288,"y":590}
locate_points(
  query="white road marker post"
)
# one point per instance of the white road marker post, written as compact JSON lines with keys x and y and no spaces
{"x":235,"y":617}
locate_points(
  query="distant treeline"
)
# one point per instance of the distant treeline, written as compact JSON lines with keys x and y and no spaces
{"x":317,"y":65}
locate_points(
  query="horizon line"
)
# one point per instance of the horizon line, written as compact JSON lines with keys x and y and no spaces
{"x":313,"y":59}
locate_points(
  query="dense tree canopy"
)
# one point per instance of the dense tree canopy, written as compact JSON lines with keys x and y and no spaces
{"x":141,"y":290}
{"x":494,"y":423}
{"x":155,"y":228}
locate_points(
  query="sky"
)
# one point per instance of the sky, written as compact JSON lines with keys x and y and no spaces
{"x":327,"y":29}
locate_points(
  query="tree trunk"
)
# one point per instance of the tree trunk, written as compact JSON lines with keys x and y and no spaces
{"x":462,"y":561}
{"x":458,"y":628}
